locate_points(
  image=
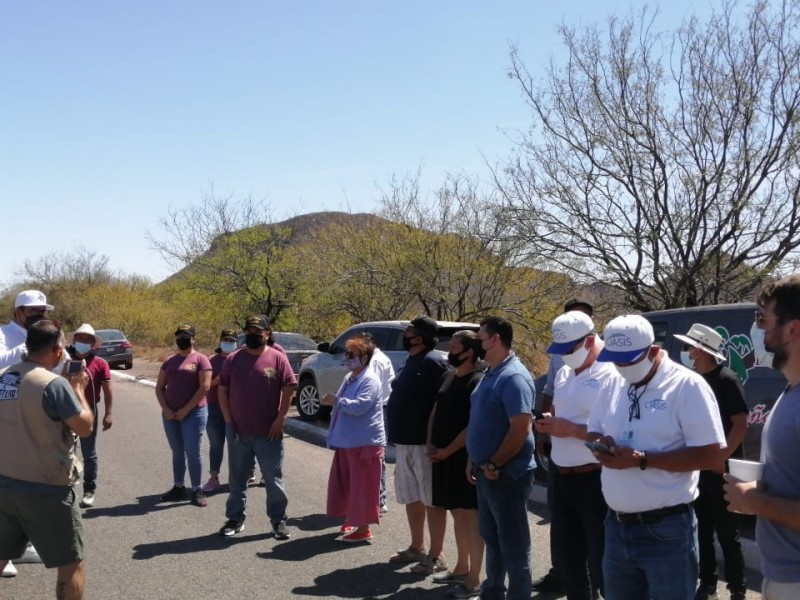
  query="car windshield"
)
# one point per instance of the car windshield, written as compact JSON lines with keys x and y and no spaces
{"x":110,"y":334}
{"x":294,"y":341}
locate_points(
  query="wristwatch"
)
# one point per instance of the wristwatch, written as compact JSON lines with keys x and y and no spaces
{"x":643,"y":460}
{"x":490,"y":466}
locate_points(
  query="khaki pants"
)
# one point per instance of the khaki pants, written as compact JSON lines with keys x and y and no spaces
{"x":775,"y":590}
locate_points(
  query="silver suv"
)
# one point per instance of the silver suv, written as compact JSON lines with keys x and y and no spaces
{"x":323,"y":372}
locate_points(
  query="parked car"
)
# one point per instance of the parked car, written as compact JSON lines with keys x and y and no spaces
{"x":762,"y":386}
{"x":298,"y":347}
{"x":323,"y":372}
{"x":116,"y":350}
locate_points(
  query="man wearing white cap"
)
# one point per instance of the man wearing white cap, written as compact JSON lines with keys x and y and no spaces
{"x":29,"y":303}
{"x":578,"y":507}
{"x":658,"y":430}
{"x":702,"y":352}
{"x":84,"y":342}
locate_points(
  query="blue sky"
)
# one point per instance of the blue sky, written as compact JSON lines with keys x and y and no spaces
{"x":114,"y":111}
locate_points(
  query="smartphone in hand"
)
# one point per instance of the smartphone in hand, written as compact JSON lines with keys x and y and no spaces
{"x":74,"y":367}
{"x":537,"y":414}
{"x":598,"y":447}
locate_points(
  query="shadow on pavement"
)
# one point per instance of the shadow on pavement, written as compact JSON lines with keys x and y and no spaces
{"x":370,"y":582}
{"x":316,"y":522}
{"x":203,"y":543}
{"x":142,"y":506}
{"x":307,"y":547}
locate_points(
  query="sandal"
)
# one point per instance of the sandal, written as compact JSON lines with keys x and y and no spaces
{"x":429,"y":565}
{"x":408,"y":555}
{"x":449,"y":577}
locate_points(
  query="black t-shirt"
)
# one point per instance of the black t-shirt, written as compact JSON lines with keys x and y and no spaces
{"x":413,"y":393}
{"x":729,"y":393}
{"x":452,"y":407}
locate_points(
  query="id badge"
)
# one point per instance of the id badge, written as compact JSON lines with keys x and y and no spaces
{"x":625,"y":438}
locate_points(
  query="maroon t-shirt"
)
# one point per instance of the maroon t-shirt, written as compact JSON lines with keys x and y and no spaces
{"x":254,"y":385}
{"x":98,"y":373}
{"x":183,"y":378}
{"x":216,"y":361}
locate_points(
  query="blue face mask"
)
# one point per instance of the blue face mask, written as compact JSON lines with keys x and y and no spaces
{"x":227,"y":347}
{"x":82,"y":347}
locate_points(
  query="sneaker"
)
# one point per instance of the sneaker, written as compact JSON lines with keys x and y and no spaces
{"x":462,"y":591}
{"x":88,"y":500}
{"x":429,"y":565}
{"x":30,"y":556}
{"x":384,"y":509}
{"x":280,"y":532}
{"x":9,"y":570}
{"x":199,"y":498}
{"x":706,"y":592}
{"x":357,"y":536}
{"x":548,"y":583}
{"x":212,"y":485}
{"x":231,"y":528}
{"x":738,"y":595}
{"x":251,"y":480}
{"x":347,"y":529}
{"x":176,"y":494}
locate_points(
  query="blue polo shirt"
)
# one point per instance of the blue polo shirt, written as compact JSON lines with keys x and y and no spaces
{"x":504,"y":392}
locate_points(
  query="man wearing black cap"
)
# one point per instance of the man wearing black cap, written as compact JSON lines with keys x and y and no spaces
{"x":255,"y":392}
{"x":413,"y":394}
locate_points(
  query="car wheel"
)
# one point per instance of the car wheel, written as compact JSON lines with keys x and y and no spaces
{"x":129,"y":364}
{"x":308,"y":399}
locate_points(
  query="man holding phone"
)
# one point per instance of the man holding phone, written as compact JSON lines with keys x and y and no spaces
{"x":661,"y":427}
{"x":578,"y":507}
{"x":84,"y":342}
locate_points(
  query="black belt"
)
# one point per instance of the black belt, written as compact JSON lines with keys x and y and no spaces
{"x":651,"y":516}
{"x":580,"y":469}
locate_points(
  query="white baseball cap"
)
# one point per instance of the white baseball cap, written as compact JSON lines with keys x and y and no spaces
{"x":626,"y":338}
{"x":32,"y":298}
{"x":568,"y":329}
{"x":705,"y":338}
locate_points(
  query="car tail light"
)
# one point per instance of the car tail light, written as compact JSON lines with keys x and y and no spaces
{"x":126,"y":345}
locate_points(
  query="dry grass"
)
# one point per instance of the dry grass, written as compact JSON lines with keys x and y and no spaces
{"x":160,"y":353}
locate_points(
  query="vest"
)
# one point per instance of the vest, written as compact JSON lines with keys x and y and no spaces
{"x":33,"y":447}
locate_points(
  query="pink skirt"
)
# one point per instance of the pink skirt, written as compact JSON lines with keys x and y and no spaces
{"x":354,"y":485}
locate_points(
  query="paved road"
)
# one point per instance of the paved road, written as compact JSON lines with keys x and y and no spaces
{"x":140,"y":549}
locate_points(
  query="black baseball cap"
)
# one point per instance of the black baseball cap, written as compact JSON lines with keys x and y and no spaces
{"x":579,"y":304}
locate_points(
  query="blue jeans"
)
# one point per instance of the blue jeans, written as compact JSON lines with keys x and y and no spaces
{"x":503,"y":522}
{"x":655,"y":561}
{"x":184,"y":439}
{"x":243,"y":450}
{"x":89,"y":453}
{"x":215,"y":428}
{"x":576,"y":531}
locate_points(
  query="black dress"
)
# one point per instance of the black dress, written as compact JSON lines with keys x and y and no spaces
{"x":450,"y":486}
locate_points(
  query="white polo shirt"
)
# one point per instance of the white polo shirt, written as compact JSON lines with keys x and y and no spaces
{"x":574,"y":396}
{"x":677,"y":410}
{"x":381,"y":365}
{"x":12,"y":344}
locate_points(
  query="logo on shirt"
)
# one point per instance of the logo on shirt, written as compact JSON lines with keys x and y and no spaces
{"x":9,"y":385}
{"x":656,"y":404}
{"x":592,"y":383}
{"x":190,"y":367}
{"x":270,"y":373}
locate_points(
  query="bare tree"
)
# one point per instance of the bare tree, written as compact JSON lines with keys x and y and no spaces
{"x":664,"y":164}
{"x":227,"y":249}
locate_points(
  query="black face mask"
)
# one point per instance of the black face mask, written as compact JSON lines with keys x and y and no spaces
{"x":254,"y":341}
{"x":183,"y":343}
{"x":455,"y":359}
{"x":407,"y":343}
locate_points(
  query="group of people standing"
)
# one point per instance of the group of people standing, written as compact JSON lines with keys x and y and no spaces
{"x":635,"y":439}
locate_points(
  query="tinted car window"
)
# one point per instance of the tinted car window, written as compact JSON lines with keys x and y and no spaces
{"x":381,"y":336}
{"x":660,"y":329}
{"x":110,"y":334}
{"x":445,"y":333}
{"x":337,"y":346}
{"x":294,"y":341}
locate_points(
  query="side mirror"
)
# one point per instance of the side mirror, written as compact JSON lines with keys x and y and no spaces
{"x":324,"y":346}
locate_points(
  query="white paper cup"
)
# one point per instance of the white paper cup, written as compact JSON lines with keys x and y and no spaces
{"x":745,"y":470}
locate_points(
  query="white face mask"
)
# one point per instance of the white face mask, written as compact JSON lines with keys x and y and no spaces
{"x":576,"y":359}
{"x":82,"y":347}
{"x":637,"y":372}
{"x":763,"y":357}
{"x":227,"y":347}
{"x":687,"y":360}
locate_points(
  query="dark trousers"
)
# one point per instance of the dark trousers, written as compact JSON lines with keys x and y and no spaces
{"x":577,"y":532}
{"x":713,"y":517}
{"x":555,"y":568}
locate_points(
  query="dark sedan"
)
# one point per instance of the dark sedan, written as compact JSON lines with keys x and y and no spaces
{"x":116,"y":350}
